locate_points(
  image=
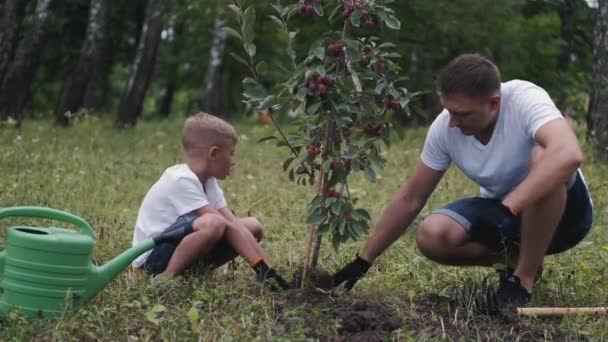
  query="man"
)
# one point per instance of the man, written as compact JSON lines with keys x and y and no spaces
{"x":511,"y":140}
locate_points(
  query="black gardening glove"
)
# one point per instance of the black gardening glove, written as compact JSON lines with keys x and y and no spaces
{"x":351,"y":273}
{"x":494,"y":225}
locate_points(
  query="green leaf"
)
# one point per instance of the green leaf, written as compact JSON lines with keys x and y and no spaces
{"x":316,"y":218}
{"x":239,"y":59}
{"x":155,"y":314}
{"x":386,"y":45}
{"x":247,"y":26}
{"x":319,"y":53}
{"x":334,"y":12}
{"x":287,"y":161}
{"x":250,"y":48}
{"x":261,"y":68}
{"x":319,"y":9}
{"x":355,"y":18}
{"x":370,"y":174}
{"x":193,"y":314}
{"x":276,"y":20}
{"x":232,"y":32}
{"x":392,"y":22}
{"x":291,"y":175}
{"x":272,"y":137}
{"x":235,"y":9}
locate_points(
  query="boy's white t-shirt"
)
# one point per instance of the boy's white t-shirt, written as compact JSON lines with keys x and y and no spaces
{"x":177,"y":192}
{"x":500,"y":165}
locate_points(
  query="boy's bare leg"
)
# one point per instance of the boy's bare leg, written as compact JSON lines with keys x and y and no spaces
{"x":207,"y":230}
{"x":223,"y":252}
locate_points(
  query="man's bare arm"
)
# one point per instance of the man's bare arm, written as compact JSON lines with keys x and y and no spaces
{"x":560,"y":159}
{"x":403,"y":209}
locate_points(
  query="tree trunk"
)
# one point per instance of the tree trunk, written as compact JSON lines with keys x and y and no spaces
{"x":99,"y":86}
{"x":598,"y":106}
{"x":132,"y":100}
{"x":10,"y":25}
{"x":213,"y":87}
{"x":75,"y":86}
{"x":15,"y":89}
{"x":567,"y":14}
{"x":166,"y":101}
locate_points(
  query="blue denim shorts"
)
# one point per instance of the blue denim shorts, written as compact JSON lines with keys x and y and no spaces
{"x":573,"y":227}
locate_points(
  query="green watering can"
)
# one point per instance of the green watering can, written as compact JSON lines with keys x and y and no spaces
{"x":44,"y":270}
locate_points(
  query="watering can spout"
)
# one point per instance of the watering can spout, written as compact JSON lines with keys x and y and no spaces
{"x":105,"y":273}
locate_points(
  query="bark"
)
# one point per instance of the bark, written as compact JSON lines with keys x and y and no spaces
{"x":75,"y":86}
{"x":132,"y":100}
{"x":15,"y":89}
{"x":212,"y":95}
{"x":567,"y":14}
{"x":99,"y":86}
{"x":10,"y":25}
{"x":166,"y":101}
{"x":598,"y":106}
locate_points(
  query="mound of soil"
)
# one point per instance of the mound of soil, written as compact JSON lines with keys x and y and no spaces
{"x":356,"y":320}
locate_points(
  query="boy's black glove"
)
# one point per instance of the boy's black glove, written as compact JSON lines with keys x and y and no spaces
{"x":351,"y":273}
{"x":494,"y":225}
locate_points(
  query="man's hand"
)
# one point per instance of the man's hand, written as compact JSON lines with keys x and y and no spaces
{"x":351,"y":273}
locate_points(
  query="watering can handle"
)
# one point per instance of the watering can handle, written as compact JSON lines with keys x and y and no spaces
{"x":48,"y":213}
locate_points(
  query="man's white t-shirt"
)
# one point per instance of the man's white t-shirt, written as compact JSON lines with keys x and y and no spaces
{"x":500,"y":165}
{"x":177,"y":192}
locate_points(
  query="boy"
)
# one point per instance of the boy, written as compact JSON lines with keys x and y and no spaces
{"x":187,"y":195}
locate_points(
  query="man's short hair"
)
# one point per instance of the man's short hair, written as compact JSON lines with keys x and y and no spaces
{"x":471,"y":75}
{"x":204,"y":130}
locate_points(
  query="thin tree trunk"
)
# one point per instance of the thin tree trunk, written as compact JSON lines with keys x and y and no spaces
{"x":75,"y":86}
{"x":213,"y":87}
{"x":166,"y":101}
{"x":598,"y":106}
{"x":10,"y":25}
{"x":567,"y":13}
{"x":15,"y":90}
{"x":132,"y":100}
{"x":98,"y":85}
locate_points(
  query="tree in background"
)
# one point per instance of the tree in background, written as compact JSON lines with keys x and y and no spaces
{"x":131,"y":103}
{"x":77,"y":83}
{"x":15,"y":89}
{"x":212,"y":90}
{"x":598,"y":106}
{"x":10,"y":25}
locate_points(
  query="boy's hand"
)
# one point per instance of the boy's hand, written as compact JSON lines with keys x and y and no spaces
{"x":351,"y":273}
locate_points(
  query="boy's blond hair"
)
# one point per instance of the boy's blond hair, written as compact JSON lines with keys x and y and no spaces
{"x":204,"y":130}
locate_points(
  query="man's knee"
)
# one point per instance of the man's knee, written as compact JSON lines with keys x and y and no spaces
{"x":435,"y":237}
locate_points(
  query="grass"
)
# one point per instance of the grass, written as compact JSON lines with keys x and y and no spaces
{"x":102,"y":174}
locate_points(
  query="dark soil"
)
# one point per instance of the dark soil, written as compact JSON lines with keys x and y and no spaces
{"x":328,"y":317}
{"x":354,"y":320}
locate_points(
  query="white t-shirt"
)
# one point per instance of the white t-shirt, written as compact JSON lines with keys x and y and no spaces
{"x":177,"y":192}
{"x":500,"y":165}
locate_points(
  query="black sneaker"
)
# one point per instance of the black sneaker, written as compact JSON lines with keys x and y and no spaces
{"x":270,"y":277}
{"x":504,"y":273}
{"x":505,"y":301}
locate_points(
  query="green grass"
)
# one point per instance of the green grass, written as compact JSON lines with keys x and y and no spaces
{"x":102,"y":174}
